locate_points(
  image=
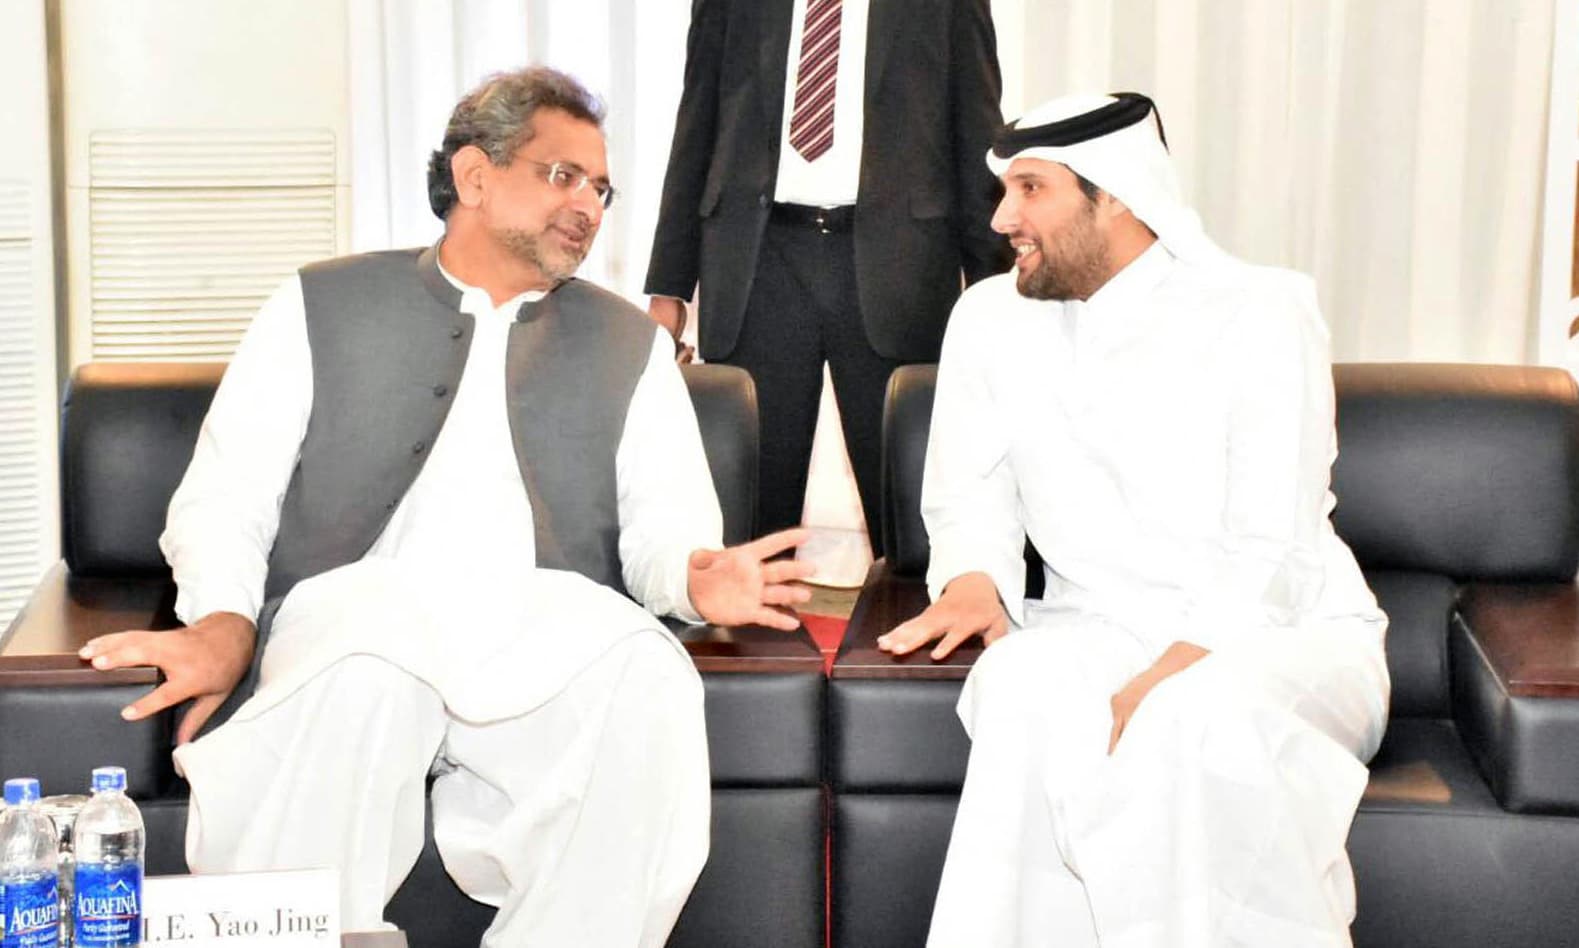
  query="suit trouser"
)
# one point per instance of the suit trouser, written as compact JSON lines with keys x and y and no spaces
{"x":584,"y":820}
{"x":1220,"y":819}
{"x":804,"y":311}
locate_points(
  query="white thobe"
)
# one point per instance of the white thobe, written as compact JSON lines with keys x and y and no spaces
{"x":539,"y":691}
{"x":1167,"y":447}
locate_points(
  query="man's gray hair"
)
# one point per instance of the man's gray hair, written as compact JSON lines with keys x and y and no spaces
{"x":497,"y":117}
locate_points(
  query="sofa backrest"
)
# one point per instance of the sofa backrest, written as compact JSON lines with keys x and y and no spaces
{"x":1445,"y":474}
{"x":126,"y":434}
{"x":1471,"y":471}
{"x":128,"y":430}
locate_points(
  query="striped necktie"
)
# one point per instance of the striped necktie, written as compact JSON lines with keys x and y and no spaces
{"x":811,"y":124}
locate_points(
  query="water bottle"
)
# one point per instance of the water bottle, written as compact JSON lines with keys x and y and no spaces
{"x":63,"y":810}
{"x":108,"y":842}
{"x":2,"y":881}
{"x":27,"y":870}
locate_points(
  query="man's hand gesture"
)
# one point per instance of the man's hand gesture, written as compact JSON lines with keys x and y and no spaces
{"x":741,"y":586}
{"x":203,"y":661}
{"x":969,"y":606}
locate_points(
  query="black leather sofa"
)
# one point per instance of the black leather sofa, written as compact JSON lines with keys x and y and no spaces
{"x":127,"y":434}
{"x":1458,"y":490}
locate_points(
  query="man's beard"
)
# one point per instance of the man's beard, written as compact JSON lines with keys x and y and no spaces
{"x":1072,"y":269}
{"x":540,"y":250}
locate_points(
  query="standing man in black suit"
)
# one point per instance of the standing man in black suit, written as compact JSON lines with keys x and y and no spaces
{"x":826,"y":188}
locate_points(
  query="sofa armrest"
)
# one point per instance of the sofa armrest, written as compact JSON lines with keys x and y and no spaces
{"x":717,"y":649}
{"x":65,"y":611}
{"x":1515,"y":665}
{"x":46,"y":691}
{"x":764,"y":703}
{"x":887,"y":599}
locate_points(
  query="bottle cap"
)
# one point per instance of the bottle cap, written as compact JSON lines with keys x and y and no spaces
{"x":109,"y":778}
{"x":20,"y":790}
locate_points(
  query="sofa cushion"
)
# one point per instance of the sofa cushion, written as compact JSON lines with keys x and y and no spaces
{"x":888,"y":851}
{"x":1438,"y":864}
{"x":725,"y":399}
{"x":762,"y":885}
{"x":1418,"y":606}
{"x":37,"y":716}
{"x":127,"y":433}
{"x":907,"y":421}
{"x":1467,"y":471}
{"x":895,"y":735}
{"x":763,"y":729}
{"x":1427,"y":833}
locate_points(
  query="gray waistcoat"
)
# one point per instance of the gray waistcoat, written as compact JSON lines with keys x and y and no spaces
{"x":388,"y":348}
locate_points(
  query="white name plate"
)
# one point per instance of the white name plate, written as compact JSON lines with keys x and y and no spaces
{"x":294,"y":908}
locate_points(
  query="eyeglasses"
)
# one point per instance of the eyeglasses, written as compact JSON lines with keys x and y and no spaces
{"x":571,"y":178}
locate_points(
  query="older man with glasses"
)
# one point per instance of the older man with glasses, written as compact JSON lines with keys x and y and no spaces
{"x":424,"y":506}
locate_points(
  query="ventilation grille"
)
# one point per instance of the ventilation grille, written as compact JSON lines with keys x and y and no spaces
{"x":301,"y":158}
{"x":20,"y":503}
{"x":190,"y":231}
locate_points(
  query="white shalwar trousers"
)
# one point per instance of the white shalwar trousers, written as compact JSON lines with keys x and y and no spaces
{"x":583,"y":818}
{"x":1220,"y":819}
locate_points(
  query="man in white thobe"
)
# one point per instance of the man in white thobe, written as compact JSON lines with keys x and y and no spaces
{"x":465,"y":627}
{"x":1167,"y":750}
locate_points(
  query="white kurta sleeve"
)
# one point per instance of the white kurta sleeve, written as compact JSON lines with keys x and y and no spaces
{"x":223,"y":516}
{"x":969,"y":500}
{"x":1266,"y":566}
{"x":667,"y":503}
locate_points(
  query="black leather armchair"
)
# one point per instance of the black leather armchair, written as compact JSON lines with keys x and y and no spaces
{"x":1458,"y":490}
{"x":127,"y":434}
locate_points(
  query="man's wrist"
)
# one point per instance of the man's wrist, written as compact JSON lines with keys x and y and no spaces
{"x":976,"y":585}
{"x":685,"y":315}
{"x":670,"y":313}
{"x":1176,"y":658}
{"x":227,"y":616}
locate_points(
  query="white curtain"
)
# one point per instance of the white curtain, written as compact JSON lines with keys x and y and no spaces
{"x":410,"y":60}
{"x":1559,"y":256}
{"x":1395,"y":150}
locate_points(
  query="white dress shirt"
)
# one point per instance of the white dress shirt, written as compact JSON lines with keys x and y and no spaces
{"x":465,"y":526}
{"x":1167,"y":446}
{"x":835,"y":177}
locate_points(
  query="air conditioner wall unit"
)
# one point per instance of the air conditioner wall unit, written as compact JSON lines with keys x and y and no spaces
{"x":206,"y":158}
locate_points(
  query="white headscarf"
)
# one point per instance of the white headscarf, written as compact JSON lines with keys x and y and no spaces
{"x":1132,"y":164}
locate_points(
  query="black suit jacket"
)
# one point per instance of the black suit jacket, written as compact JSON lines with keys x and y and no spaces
{"x":925,"y":196}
